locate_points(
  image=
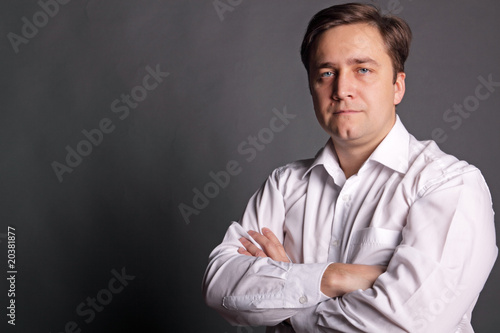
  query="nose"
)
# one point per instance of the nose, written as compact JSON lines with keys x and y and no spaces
{"x":344,"y":86}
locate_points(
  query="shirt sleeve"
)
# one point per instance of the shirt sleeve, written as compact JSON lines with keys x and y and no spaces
{"x":435,"y":275}
{"x":259,"y":291}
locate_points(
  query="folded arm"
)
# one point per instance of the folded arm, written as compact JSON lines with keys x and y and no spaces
{"x":257,"y":289}
{"x":431,"y":282}
{"x":338,"y":278}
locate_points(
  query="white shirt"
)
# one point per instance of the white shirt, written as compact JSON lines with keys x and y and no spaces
{"x":425,"y":214}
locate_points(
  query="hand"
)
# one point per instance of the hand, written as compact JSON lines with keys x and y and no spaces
{"x":340,"y":279}
{"x":271,"y":246}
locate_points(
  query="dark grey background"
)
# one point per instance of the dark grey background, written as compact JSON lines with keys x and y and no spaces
{"x":120,"y":206}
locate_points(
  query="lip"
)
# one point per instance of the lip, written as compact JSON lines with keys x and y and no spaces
{"x":346,"y":112}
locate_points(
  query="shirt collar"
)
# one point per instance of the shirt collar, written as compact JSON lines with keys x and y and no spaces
{"x":328,"y":158}
{"x":392,"y":152}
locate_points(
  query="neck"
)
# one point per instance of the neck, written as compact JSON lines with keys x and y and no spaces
{"x":351,"y":159}
{"x":353,"y":153}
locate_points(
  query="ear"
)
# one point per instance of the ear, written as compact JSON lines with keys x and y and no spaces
{"x":399,"y":88}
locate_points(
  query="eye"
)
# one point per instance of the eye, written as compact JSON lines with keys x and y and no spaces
{"x":363,"y":71}
{"x":327,"y":74}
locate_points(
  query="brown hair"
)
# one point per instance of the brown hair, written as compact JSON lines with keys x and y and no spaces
{"x":395,"y":31}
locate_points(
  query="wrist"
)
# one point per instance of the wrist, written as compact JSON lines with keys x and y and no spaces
{"x":331,"y":284}
{"x":340,"y":279}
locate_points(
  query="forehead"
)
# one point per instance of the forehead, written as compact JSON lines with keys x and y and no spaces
{"x":350,"y":41}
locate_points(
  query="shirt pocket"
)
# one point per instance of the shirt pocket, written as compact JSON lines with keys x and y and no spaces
{"x":373,"y":246}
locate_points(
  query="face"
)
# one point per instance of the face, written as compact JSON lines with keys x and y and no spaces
{"x":351,"y":80}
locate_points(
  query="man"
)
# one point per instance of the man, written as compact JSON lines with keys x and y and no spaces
{"x":380,"y":232}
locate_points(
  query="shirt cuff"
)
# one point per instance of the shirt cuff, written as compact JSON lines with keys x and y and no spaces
{"x":303,"y":285}
{"x":305,"y":319}
{"x":300,"y":287}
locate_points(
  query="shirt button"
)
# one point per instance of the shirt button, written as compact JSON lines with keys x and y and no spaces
{"x":335,"y":243}
{"x":346,"y":197}
{"x":303,"y":299}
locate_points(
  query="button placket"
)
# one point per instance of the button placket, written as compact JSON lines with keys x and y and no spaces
{"x":340,"y":219}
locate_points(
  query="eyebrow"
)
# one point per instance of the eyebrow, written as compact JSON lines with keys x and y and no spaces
{"x":350,"y":61}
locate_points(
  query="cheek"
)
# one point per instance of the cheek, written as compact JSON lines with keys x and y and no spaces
{"x":380,"y":95}
{"x":316,"y":98}
{"x":321,"y":96}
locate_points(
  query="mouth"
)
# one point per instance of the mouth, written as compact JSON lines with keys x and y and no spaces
{"x":339,"y":112}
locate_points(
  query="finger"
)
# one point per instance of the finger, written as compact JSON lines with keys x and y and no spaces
{"x":273,"y":249}
{"x":262,"y":240}
{"x":241,"y":250}
{"x":279,"y":247}
{"x":271,"y":236}
{"x":251,"y":248}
